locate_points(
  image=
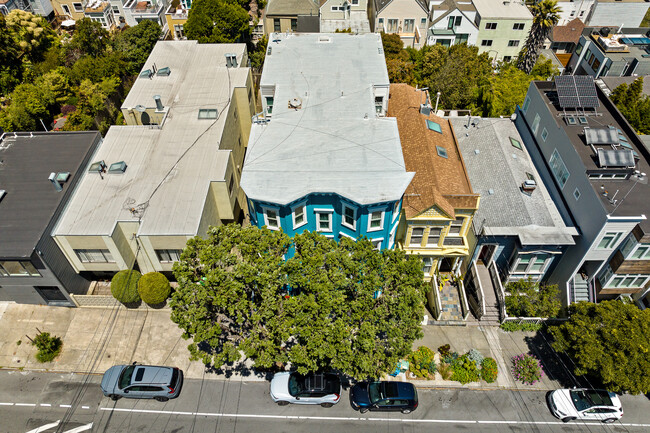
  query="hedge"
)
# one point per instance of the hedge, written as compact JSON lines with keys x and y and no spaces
{"x":154,"y":288}
{"x":123,"y":292}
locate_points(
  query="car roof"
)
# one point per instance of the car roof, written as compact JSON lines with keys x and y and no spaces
{"x":319,"y":381}
{"x":151,"y":374}
{"x":400,"y":390}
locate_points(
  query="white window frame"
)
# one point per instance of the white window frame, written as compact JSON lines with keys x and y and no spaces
{"x":396,"y":210}
{"x":558,"y":167}
{"x":78,"y":9}
{"x":66,"y":9}
{"x":344,"y":223}
{"x":381,"y":219}
{"x":536,"y":121}
{"x":424,"y":265}
{"x":613,"y":242}
{"x":88,"y":255}
{"x":318,"y":213}
{"x":544,"y":134}
{"x":347,"y":236}
{"x":526,"y":104}
{"x":533,"y":258}
{"x":410,"y":21}
{"x":376,"y":243}
{"x":576,"y":194}
{"x":646,"y":254}
{"x":265,"y":211}
{"x":174,"y":255}
{"x":439,"y":236}
{"x":302,"y":205}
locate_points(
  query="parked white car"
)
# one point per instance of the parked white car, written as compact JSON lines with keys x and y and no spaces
{"x":313,"y":388}
{"x":585,"y":404}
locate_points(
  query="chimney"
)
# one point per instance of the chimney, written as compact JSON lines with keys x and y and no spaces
{"x":159,"y":104}
{"x":57,"y":185}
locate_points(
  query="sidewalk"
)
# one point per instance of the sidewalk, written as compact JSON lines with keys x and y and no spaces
{"x":95,"y":339}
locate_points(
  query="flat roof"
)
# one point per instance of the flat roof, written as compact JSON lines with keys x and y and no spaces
{"x":439,"y":180}
{"x":497,"y":167}
{"x":502,"y":9}
{"x":334,"y":143}
{"x":169,"y":169}
{"x":26,"y":162}
{"x":633,"y":195}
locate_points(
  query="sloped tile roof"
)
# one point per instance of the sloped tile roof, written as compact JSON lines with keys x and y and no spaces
{"x":569,"y":33}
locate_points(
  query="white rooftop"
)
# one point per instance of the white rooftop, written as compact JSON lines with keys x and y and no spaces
{"x":334,"y":143}
{"x":169,"y":170}
{"x":502,"y":9}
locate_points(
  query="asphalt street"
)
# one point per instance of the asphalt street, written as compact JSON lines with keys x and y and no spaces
{"x":49,"y":402}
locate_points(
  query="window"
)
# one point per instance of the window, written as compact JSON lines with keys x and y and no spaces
{"x":66,"y":9}
{"x":515,"y":143}
{"x":324,"y":221}
{"x":579,"y":49}
{"x":576,"y":194}
{"x":423,"y":23}
{"x":380,"y":22}
{"x":513,"y":43}
{"x":441,"y":151}
{"x":78,"y":7}
{"x":18,"y":269}
{"x":116,"y":9}
{"x":486,"y":42}
{"x":276,"y":25}
{"x":544,"y":134}
{"x":507,"y":59}
{"x":434,"y":236}
{"x":376,"y":243}
{"x":396,"y":210}
{"x":559,"y":169}
{"x":271,"y":219}
{"x":453,"y":241}
{"x":536,"y":123}
{"x":409,"y":24}
{"x":434,"y":126}
{"x":51,"y":294}
{"x":207,"y":113}
{"x":294,"y":24}
{"x":376,"y":220}
{"x":456,"y":225}
{"x":231,"y":184}
{"x":531,"y":263}
{"x":392,"y":26}
{"x":355,"y":2}
{"x":526,"y":104}
{"x":609,"y":240}
{"x":416,"y":236}
{"x":269,"y":104}
{"x":427,"y":264}
{"x":462,"y":38}
{"x":490,"y":26}
{"x":518,"y":26}
{"x":349,"y":217}
{"x":642,"y":252}
{"x":94,"y":256}
{"x":299,"y":217}
{"x":168,"y":256}
{"x":450,"y":23}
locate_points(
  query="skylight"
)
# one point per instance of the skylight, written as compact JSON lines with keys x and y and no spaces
{"x":97,"y":167}
{"x":117,"y":167}
{"x":164,"y":72}
{"x":207,"y":113}
{"x":434,"y":126}
{"x":515,"y":143}
{"x":146,"y":73}
{"x":441,"y":151}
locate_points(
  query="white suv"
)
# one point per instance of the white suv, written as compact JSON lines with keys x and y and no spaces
{"x":585,"y":404}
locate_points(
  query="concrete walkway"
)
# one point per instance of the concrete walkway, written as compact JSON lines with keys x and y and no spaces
{"x":95,"y":339}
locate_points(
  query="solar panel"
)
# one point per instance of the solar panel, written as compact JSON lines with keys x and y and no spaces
{"x":577,"y":91}
{"x":615,"y":158}
{"x":601,"y":136}
{"x":564,"y":80}
{"x":589,"y":101}
{"x":583,"y":80}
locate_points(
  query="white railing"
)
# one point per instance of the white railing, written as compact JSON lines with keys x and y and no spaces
{"x":501,"y":295}
{"x":479,"y":291}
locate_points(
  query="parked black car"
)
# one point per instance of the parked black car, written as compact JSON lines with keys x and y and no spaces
{"x":384,"y":396}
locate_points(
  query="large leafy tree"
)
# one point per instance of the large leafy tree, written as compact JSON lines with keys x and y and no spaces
{"x":89,"y":39}
{"x":546,"y":14}
{"x":527,"y":298}
{"x":331,"y":305}
{"x":11,"y":68}
{"x":633,"y":105}
{"x":610,"y":341}
{"x":135,"y":44}
{"x":217,"y":21}
{"x":32,"y":35}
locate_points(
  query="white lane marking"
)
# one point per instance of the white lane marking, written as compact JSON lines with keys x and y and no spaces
{"x":65,"y":405}
{"x":25,"y":404}
{"x":80,"y":428}
{"x":6,"y":404}
{"x":334,"y":418}
{"x":85,"y":407}
{"x":45,"y":427}
{"x":45,"y":405}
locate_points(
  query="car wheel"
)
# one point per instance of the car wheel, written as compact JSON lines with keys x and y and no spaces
{"x":405,"y":411}
{"x":327,"y":404}
{"x":283,"y":403}
{"x":609,"y":420}
{"x":115,"y":397}
{"x":567,"y":419}
{"x":163,"y":399}
{"x":363,"y":410}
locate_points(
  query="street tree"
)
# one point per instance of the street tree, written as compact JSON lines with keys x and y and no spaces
{"x":546,"y":14}
{"x":633,"y":105}
{"x":331,"y":305}
{"x":217,"y":21}
{"x":527,"y":298}
{"x":609,"y":341}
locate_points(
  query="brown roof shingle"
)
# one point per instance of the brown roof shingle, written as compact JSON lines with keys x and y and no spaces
{"x":569,"y":33}
{"x":438,"y":181}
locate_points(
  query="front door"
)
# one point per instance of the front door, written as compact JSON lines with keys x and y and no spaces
{"x":487,"y":251}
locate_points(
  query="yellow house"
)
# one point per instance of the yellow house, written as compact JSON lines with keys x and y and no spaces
{"x":68,"y":9}
{"x":176,"y":17}
{"x":439,"y":204}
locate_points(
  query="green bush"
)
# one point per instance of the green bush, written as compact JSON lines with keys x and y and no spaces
{"x":526,"y":298}
{"x":124,"y":286}
{"x":524,"y":326}
{"x":422,"y":362}
{"x":444,"y":350}
{"x":475,"y":356}
{"x":465,"y":370}
{"x":450,"y":358}
{"x":154,"y":288}
{"x":527,"y":369}
{"x":445,"y":371}
{"x":489,"y":370}
{"x":48,"y":346}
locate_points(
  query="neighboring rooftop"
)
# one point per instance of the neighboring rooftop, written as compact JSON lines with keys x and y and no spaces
{"x":333,"y":142}
{"x":498,"y":163}
{"x":632,"y":194}
{"x":168,"y":169}
{"x":502,"y":9}
{"x":381,"y":4}
{"x":292,"y":7}
{"x":30,"y":200}
{"x":450,"y":6}
{"x":439,"y":180}
{"x":624,"y":44}
{"x":570,"y":32}
{"x":612,"y":83}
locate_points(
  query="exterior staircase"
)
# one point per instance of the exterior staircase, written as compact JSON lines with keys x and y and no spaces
{"x":491,"y":316}
{"x":580,"y":289}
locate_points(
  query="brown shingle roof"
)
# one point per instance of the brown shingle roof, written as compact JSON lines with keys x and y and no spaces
{"x":438,"y":181}
{"x":569,"y":33}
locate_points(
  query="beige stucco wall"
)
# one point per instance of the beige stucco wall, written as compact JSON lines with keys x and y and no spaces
{"x":58,"y":9}
{"x":501,"y":36}
{"x":401,"y":10}
{"x":326,"y":12}
{"x":285,"y":23}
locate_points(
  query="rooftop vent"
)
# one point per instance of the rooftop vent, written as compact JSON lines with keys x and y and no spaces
{"x":529,"y":185}
{"x":441,"y":151}
{"x":268,"y":52}
{"x":97,"y":167}
{"x":57,"y":185}
{"x":2,"y":193}
{"x":295,"y":103}
{"x":425,"y":109}
{"x":164,"y":72}
{"x":324,"y":40}
{"x":159,"y":104}
{"x":147,"y":73}
{"x":231,"y":60}
{"x":117,"y":168}
{"x":434,"y":126}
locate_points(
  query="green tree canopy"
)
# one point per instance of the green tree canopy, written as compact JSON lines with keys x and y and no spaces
{"x":11,"y":68}
{"x":527,"y":298}
{"x":135,"y":44}
{"x":344,"y":306}
{"x":89,"y":39}
{"x":124,"y":286}
{"x":154,"y":288}
{"x":31,"y":33}
{"x":633,"y":105}
{"x":610,"y":341}
{"x":217,"y":21}
{"x":546,"y":14}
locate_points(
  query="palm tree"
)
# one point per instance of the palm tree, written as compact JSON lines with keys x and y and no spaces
{"x":546,"y":14}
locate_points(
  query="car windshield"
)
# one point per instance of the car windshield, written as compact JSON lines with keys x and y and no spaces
{"x":295,"y":384}
{"x":586,"y":398}
{"x":125,"y":378}
{"x":375,"y":392}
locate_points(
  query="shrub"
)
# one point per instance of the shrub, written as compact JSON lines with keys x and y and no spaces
{"x":451,"y":358}
{"x":154,"y":288}
{"x":465,"y":370}
{"x":475,"y":356}
{"x":526,"y":298}
{"x":445,"y":371}
{"x":526,"y":369}
{"x":124,"y":286}
{"x":523,"y":326}
{"x":422,"y":362}
{"x":48,"y":346}
{"x":489,"y":370}
{"x":444,"y":350}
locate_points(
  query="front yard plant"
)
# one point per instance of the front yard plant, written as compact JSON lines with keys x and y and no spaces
{"x":475,"y":356}
{"x":527,"y":298}
{"x":124,"y":286}
{"x":464,"y":370}
{"x":154,"y":288}
{"x":526,"y":369}
{"x":49,"y":346}
{"x":511,"y":326}
{"x":422,"y":362}
{"x":489,"y":370}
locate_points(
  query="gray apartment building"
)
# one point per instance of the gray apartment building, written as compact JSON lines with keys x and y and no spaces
{"x":38,"y":173}
{"x":592,"y":160}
